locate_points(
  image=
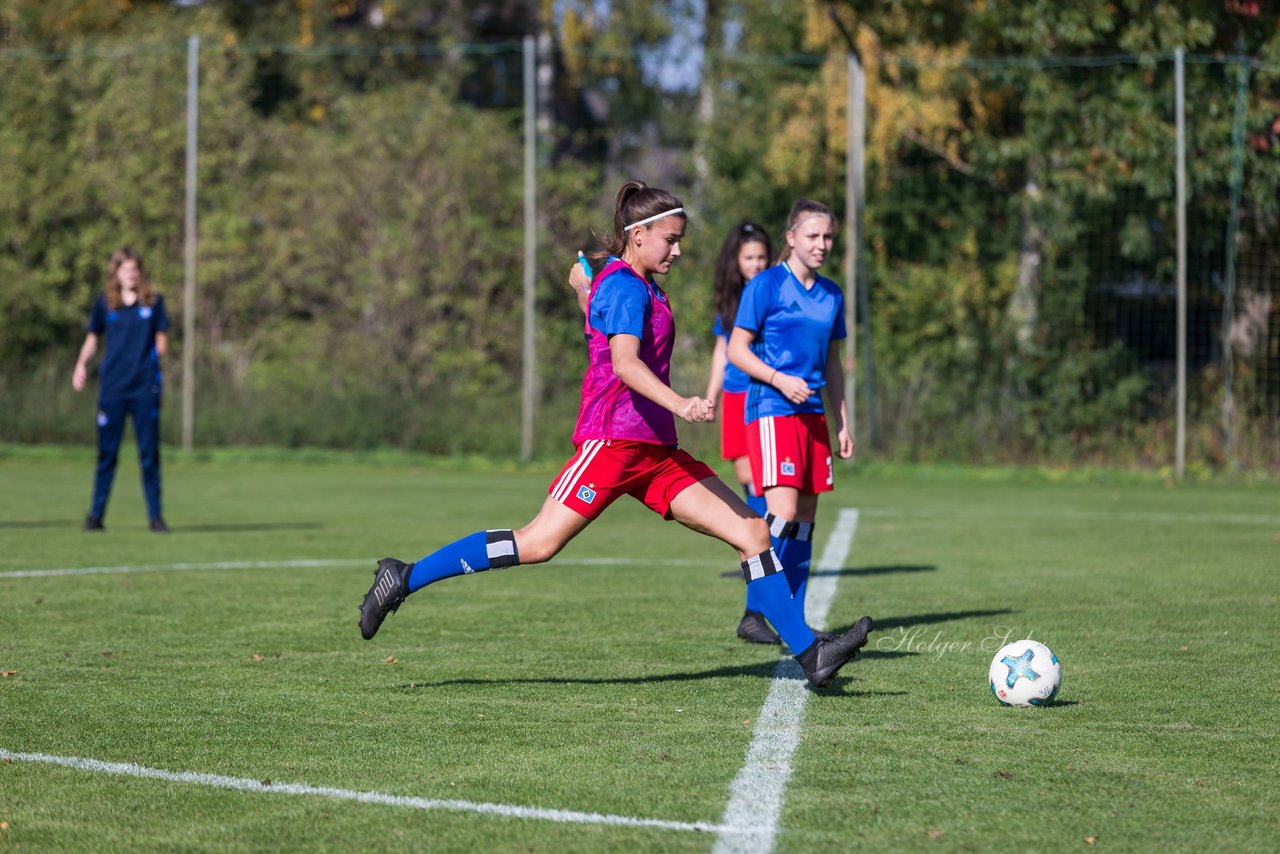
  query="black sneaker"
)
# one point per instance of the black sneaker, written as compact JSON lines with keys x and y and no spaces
{"x":390,"y":586}
{"x":754,"y":629}
{"x":158,"y":525}
{"x":824,"y":658}
{"x":94,"y":523}
{"x":823,"y":635}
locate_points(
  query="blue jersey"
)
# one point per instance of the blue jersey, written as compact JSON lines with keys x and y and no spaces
{"x":130,"y":366}
{"x":734,"y":378}
{"x":793,"y":330}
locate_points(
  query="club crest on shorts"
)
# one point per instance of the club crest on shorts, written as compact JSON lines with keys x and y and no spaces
{"x":586,"y":494}
{"x":788,"y":468}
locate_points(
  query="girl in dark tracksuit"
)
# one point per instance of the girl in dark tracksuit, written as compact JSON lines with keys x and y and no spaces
{"x":132,"y":317}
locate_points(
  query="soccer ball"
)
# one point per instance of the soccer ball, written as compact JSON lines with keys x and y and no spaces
{"x":1025,"y":673}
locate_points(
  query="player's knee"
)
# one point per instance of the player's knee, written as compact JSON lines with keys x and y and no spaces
{"x":756,"y":536}
{"x":535,"y":548}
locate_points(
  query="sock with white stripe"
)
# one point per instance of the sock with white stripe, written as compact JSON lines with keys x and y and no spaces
{"x":475,"y":553}
{"x":767,"y":587}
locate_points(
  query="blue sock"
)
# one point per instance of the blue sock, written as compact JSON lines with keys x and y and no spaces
{"x":475,"y":553}
{"x":767,"y":585}
{"x":796,"y":554}
{"x":782,"y":535}
{"x":756,"y":503}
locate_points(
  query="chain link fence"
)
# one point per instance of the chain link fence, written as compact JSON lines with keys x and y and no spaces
{"x":361,"y":224}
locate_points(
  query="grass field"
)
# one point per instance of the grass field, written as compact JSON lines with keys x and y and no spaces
{"x":545,"y":708}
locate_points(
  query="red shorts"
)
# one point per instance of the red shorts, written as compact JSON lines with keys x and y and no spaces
{"x":603,"y":469}
{"x":791,"y":450}
{"x":733,"y":432}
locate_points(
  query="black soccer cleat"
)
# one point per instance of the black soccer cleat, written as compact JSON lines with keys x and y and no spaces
{"x":390,"y":586}
{"x":158,"y":525}
{"x":824,"y":658}
{"x":94,"y":523}
{"x":754,"y":629}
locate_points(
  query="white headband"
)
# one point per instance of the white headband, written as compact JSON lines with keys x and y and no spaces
{"x":654,"y":218}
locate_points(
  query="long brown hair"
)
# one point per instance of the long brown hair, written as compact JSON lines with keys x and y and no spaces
{"x":146,"y":293}
{"x":800,"y":211}
{"x":728,"y":280}
{"x":635,"y":201}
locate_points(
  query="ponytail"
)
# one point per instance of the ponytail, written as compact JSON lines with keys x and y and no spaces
{"x":637,"y":204}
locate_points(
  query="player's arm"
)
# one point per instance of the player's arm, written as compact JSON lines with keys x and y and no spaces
{"x":794,"y":389}
{"x":628,"y":367}
{"x":162,"y":344}
{"x":715,"y":379}
{"x":835,"y":398}
{"x":80,"y":374}
{"x":580,"y":281}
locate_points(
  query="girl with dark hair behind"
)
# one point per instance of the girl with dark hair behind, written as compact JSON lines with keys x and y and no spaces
{"x":746,"y":252}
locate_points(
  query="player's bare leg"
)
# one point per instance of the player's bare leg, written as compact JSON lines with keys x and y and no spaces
{"x":539,"y":541}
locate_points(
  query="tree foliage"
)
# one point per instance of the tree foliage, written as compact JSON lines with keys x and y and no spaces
{"x":361,"y":210}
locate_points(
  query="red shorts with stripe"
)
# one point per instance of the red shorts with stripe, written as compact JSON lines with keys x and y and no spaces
{"x":791,"y":450}
{"x":601,"y":470}
{"x":733,"y":432}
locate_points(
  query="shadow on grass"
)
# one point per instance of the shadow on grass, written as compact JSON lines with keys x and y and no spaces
{"x":889,"y":569}
{"x":246,"y":527}
{"x":227,"y":528}
{"x":762,"y":670}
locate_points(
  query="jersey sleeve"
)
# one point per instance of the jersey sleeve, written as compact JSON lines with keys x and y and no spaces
{"x":97,"y":317}
{"x":757,"y":298}
{"x":717,"y":328}
{"x":620,"y":305}
{"x":839,"y":330}
{"x":162,"y":315}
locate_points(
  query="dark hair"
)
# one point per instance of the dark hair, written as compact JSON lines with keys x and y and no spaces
{"x":635,"y":201}
{"x":800,"y":211}
{"x":728,"y":281}
{"x":146,"y":293}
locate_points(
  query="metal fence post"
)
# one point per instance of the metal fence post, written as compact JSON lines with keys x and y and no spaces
{"x":530,"y":251}
{"x":189,"y":273}
{"x":1180,"y":119}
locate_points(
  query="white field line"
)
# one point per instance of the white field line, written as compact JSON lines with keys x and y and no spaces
{"x":245,"y":784}
{"x":296,"y":564}
{"x":751,"y":817}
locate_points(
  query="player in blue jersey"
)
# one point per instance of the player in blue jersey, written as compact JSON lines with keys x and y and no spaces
{"x":131,"y":317}
{"x":786,"y":337}
{"x":746,"y":252}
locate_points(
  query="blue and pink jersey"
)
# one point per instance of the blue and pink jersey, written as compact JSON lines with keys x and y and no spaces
{"x":622,"y":302}
{"x":793,"y":330}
